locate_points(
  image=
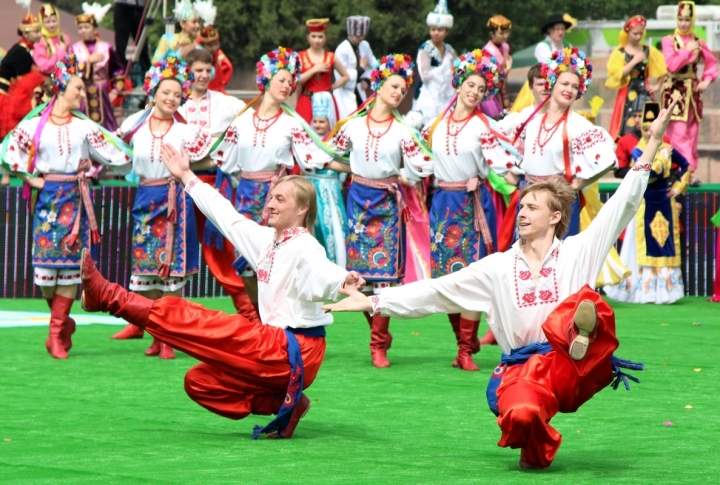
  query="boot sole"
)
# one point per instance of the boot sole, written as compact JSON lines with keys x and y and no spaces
{"x":586,"y":322}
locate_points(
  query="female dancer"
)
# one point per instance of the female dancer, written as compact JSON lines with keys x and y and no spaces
{"x":261,"y":145}
{"x":499,"y":29}
{"x":462,"y":218}
{"x":683,"y":51}
{"x":316,"y":72}
{"x":165,"y":243}
{"x":56,"y":144}
{"x":651,"y":247}
{"x":53,"y":45}
{"x":379,"y":144}
{"x":562,"y":143}
{"x":636,"y":71}
{"x":331,"y":216}
{"x":178,"y":45}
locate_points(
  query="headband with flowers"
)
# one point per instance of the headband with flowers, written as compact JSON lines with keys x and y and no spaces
{"x":568,"y":59}
{"x":63,"y":71}
{"x":169,"y":68}
{"x":273,"y":61}
{"x":393,"y":64}
{"x":479,"y":62}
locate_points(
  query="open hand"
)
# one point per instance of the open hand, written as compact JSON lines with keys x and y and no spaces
{"x":355,"y":302}
{"x":658,"y":127}
{"x":353,"y":281}
{"x":177,"y":162}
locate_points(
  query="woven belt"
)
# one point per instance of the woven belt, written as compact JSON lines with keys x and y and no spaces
{"x":391,"y":185}
{"x":171,"y":183}
{"x":85,"y":201}
{"x":267,"y":176}
{"x":536,"y":179}
{"x":473,"y":186}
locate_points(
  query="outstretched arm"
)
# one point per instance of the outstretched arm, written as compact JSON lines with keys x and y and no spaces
{"x":243,"y":233}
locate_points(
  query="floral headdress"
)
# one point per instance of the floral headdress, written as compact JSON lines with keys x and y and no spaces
{"x":479,"y":62}
{"x":393,"y":64}
{"x":168,"y":68}
{"x":63,"y":71}
{"x":568,"y":59}
{"x":273,"y":61}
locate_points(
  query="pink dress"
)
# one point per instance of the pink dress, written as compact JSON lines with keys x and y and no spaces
{"x":494,"y":105}
{"x":49,"y":50}
{"x":682,"y":65}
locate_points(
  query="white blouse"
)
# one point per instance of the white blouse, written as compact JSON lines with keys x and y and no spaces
{"x":214,"y":112}
{"x":465,"y":151}
{"x":381,"y":152}
{"x":592,"y":150}
{"x":61,"y":148}
{"x":255,"y":145}
{"x":295,"y":276}
{"x":502,"y":285}
{"x":146,"y":145}
{"x":512,"y":121}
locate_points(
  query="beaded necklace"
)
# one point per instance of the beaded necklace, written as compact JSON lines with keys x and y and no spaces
{"x":262,"y":125}
{"x":373,"y":141}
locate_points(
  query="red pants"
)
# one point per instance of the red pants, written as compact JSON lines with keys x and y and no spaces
{"x":220,"y":261}
{"x":245,"y":365}
{"x":532,"y":393}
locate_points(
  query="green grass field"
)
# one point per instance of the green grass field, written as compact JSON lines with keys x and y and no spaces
{"x":111,"y":415}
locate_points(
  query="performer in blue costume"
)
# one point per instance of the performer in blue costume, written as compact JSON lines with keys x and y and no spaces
{"x":178,"y":45}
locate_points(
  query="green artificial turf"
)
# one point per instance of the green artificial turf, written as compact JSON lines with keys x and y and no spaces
{"x":110,"y":415}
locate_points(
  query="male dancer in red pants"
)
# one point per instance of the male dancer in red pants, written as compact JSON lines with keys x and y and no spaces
{"x":247,"y":367}
{"x":556,"y":333}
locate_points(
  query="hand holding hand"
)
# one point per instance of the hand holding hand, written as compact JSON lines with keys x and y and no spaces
{"x":355,"y":302}
{"x":353,"y":281}
{"x":177,"y":162}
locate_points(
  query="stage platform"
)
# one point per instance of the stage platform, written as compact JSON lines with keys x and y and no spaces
{"x":113,"y":202}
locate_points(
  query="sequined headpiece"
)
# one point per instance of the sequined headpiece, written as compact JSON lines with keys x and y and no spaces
{"x":498,"y":23}
{"x":184,"y":10}
{"x":568,"y":59}
{"x":29,"y":23}
{"x":392,"y":64}
{"x":273,"y":61}
{"x":63,"y":71}
{"x":479,"y":62}
{"x":440,"y":17}
{"x":92,"y":14}
{"x":169,"y":68}
{"x":209,"y":35}
{"x":686,"y":9}
{"x":632,"y":22}
{"x":317,"y":25}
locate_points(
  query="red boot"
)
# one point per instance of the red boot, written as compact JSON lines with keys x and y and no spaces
{"x":99,"y":295}
{"x":68,"y":327}
{"x":129,"y":332}
{"x":379,"y":337}
{"x":166,"y":352}
{"x":488,"y":338}
{"x":455,"y":324}
{"x":154,"y":348}
{"x":58,"y":314}
{"x":467,"y":344}
{"x":388,"y":342}
{"x":298,"y":413}
{"x":582,"y":333}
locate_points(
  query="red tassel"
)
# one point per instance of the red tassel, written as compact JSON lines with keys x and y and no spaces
{"x":489,"y":247}
{"x":69,"y":241}
{"x":172,"y":217}
{"x":164,"y":272}
{"x":95,"y":236}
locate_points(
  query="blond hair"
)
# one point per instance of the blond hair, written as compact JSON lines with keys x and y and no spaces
{"x":560,"y":198}
{"x":305,"y":196}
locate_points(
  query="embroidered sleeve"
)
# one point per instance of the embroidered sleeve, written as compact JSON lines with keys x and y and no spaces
{"x":340,"y":143}
{"x":104,"y":152}
{"x":307,"y":154}
{"x":227,"y":154}
{"x":418,"y":164}
{"x":592,"y":151}
{"x":500,"y":160}
{"x":198,"y":142}
{"x":16,"y":158}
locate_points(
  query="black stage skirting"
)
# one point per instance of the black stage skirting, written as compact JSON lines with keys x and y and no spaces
{"x":113,"y":204}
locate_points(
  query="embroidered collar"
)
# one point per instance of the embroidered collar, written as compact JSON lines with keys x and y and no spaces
{"x":553,"y":246}
{"x":265,"y":266}
{"x":545,"y":290}
{"x":289,"y":234}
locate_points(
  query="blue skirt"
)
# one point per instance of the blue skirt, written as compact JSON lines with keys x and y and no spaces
{"x":454,"y":242}
{"x":148,"y":243}
{"x":376,"y":234}
{"x":57,"y":207}
{"x":250,"y":198}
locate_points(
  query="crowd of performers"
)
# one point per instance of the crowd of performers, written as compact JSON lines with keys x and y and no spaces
{"x":482,"y":209}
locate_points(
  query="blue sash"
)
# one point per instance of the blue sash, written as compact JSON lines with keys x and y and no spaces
{"x":295,"y":386}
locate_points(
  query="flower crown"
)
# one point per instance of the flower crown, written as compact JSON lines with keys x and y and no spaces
{"x":568,"y":59}
{"x":479,"y":62}
{"x":273,"y":61}
{"x":63,"y":71}
{"x":392,"y":64}
{"x":170,"y":67}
